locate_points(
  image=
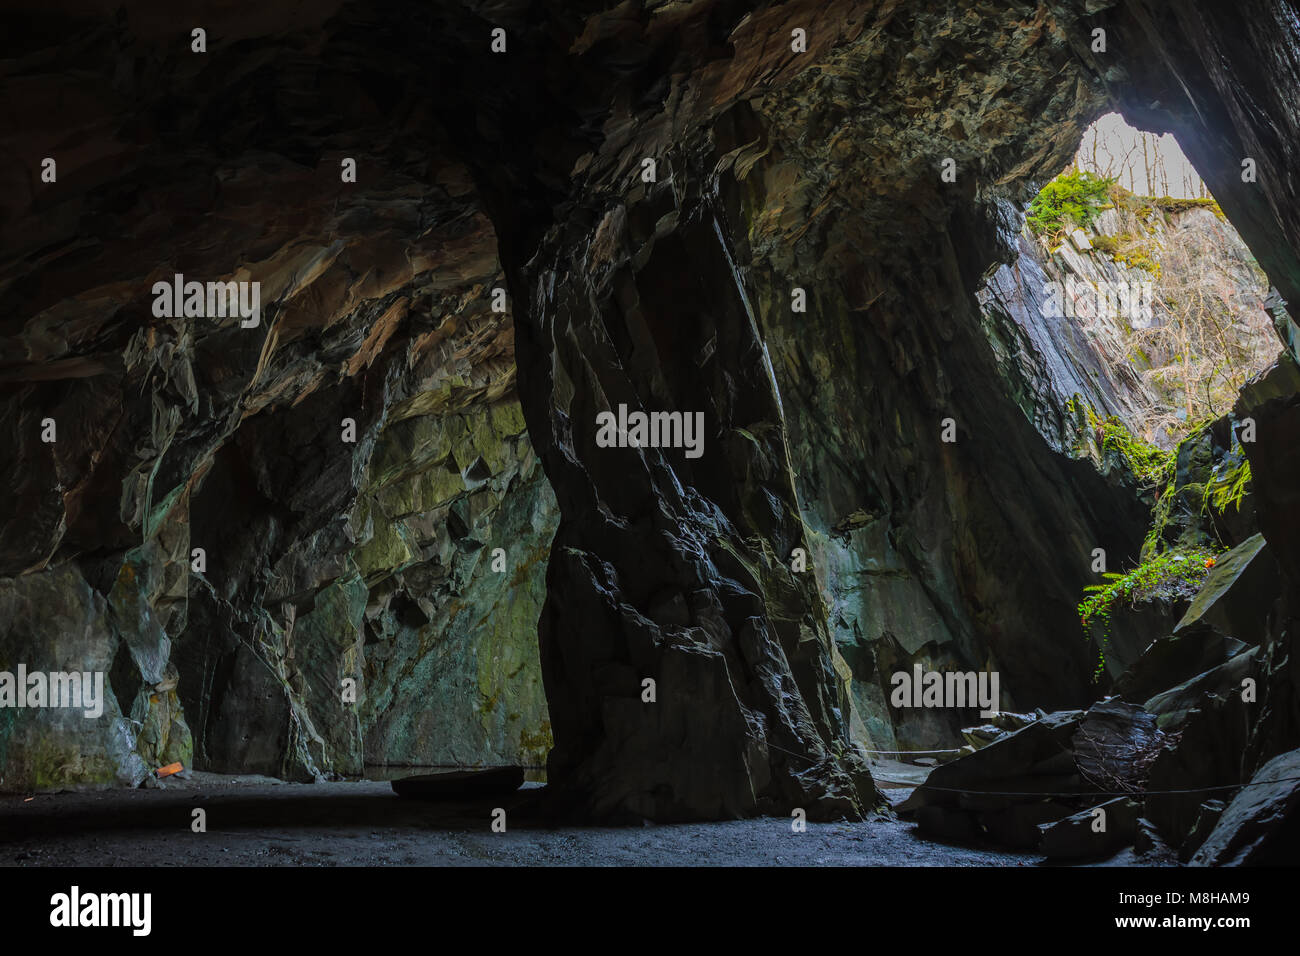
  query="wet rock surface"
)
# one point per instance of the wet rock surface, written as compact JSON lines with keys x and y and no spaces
{"x":347,"y":467}
{"x":1259,"y":826}
{"x":327,"y":560}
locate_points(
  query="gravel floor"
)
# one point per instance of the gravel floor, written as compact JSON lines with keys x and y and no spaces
{"x":258,"y":822}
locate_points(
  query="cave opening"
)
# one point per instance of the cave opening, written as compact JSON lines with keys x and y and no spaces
{"x":380,"y":532}
{"x":1187,"y":306}
{"x":1150,"y":313}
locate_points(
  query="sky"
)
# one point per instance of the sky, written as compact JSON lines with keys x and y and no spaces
{"x":1111,"y":147}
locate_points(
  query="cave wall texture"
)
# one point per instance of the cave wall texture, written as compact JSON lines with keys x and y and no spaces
{"x":775,"y":171}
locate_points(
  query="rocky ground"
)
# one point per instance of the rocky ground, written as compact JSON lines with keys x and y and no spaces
{"x":254,"y":821}
{"x":325,"y":539}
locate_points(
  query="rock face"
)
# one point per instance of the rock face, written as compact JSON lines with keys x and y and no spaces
{"x":60,"y":613}
{"x":1044,"y":786}
{"x":345,"y":468}
{"x":689,"y":215}
{"x":1007,"y":790}
{"x":1261,"y":825}
{"x":1273,"y":401}
{"x":1061,"y":352}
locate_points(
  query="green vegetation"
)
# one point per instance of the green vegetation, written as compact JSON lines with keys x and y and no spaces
{"x":1229,"y":488}
{"x":1170,"y":204}
{"x":1138,"y":257}
{"x":1163,"y":571}
{"x":1173,"y":574}
{"x":1127,"y":249}
{"x":1071,"y":199}
{"x":1160,"y":515}
{"x":1110,"y":244}
{"x":1150,"y":465}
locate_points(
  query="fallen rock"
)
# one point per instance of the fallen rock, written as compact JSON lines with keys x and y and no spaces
{"x":1174,"y":706}
{"x":460,"y":784}
{"x":982,"y":735}
{"x":1237,"y":593}
{"x":999,"y":791}
{"x":1147,"y":841}
{"x":1261,"y":825}
{"x":1114,"y":745}
{"x":999,"y":725}
{"x":1035,"y":759}
{"x":1087,"y":834}
{"x":1010,"y":720}
{"x":946,"y":823}
{"x":1207,"y":752}
{"x":1020,"y":825}
{"x":1206,"y":821}
{"x":1025,"y":784}
{"x":1175,"y":658}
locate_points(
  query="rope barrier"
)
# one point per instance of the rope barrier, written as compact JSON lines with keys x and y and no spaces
{"x":463,"y":766}
{"x":935,"y":787}
{"x":1031,"y":793}
{"x":1094,"y":793}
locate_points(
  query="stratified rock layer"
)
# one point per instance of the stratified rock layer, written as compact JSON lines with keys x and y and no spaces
{"x":347,"y":467}
{"x":690,"y":668}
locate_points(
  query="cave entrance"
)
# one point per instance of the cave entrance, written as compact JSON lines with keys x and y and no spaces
{"x":1139,"y":255}
{"x":1145,"y":310}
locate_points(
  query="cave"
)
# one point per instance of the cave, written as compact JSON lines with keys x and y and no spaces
{"x":627,"y":395}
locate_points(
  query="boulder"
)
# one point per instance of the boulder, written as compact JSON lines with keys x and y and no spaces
{"x":1237,"y":593}
{"x":1175,"y":658}
{"x":1114,"y":744}
{"x":1020,"y":826}
{"x":1206,"y":820}
{"x":1174,"y":706}
{"x":1032,"y":760}
{"x":999,"y":791}
{"x":1261,"y":825}
{"x":1148,"y":842}
{"x":1087,"y":834}
{"x":982,"y":735}
{"x":948,"y":823}
{"x":1206,"y":753}
{"x":1010,"y":720}
{"x":460,"y":784}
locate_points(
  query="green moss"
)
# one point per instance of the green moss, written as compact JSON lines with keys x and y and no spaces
{"x":536,"y":744}
{"x":1151,"y":465}
{"x":1138,"y":257}
{"x":1173,"y":574}
{"x":1069,"y":200}
{"x":54,"y":762}
{"x":1160,"y":516}
{"x":1169,"y":204}
{"x":1228,"y":489}
{"x":1109,"y":244}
